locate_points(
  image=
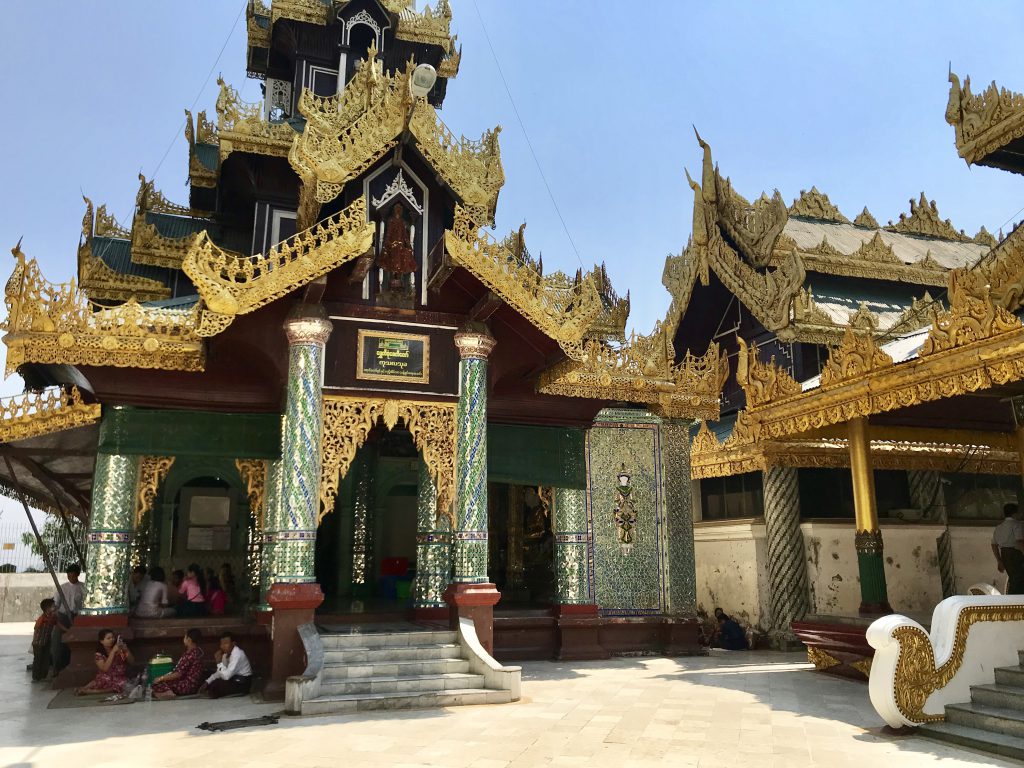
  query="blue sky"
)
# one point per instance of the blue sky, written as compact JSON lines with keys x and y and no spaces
{"x":848,"y":97}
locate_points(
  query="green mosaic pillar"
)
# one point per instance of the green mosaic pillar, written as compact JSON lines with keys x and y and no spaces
{"x":868,"y":540}
{"x":109,"y":539}
{"x":294,"y":541}
{"x":272,"y":523}
{"x":433,"y":547}
{"x":682,"y":571}
{"x":572,"y":547}
{"x":475,"y":344}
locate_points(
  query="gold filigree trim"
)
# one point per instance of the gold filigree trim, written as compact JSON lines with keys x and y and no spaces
{"x":762,"y":382}
{"x":984,"y":122}
{"x":152,"y":472}
{"x":148,"y":245}
{"x":816,"y":205}
{"x":858,"y":355}
{"x":241,"y":127}
{"x":254,"y":475}
{"x":347,"y":422}
{"x":431,"y":26}
{"x":200,"y":131}
{"x":56,"y":323}
{"x":35,"y":414}
{"x":96,"y":278}
{"x":917,"y":677}
{"x":562,"y":308}
{"x":821,"y":659}
{"x":865,"y":219}
{"x":236,"y":285}
{"x":972,"y":315}
{"x":924,"y":220}
{"x":308,"y":11}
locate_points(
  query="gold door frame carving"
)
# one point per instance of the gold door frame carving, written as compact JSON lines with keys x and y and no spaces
{"x":347,"y":422}
{"x":152,"y":472}
{"x":254,"y":475}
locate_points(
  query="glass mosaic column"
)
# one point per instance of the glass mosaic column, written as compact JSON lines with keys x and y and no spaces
{"x":475,"y":344}
{"x":294,"y":534}
{"x":868,"y":540}
{"x":682,"y":571}
{"x":272,"y":523}
{"x":111,"y":524}
{"x":572,"y":547}
{"x":433,"y":547}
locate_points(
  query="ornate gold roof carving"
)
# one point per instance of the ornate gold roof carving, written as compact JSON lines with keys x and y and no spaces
{"x":254,"y":475}
{"x":865,"y":219}
{"x":762,"y":382}
{"x":200,"y":131}
{"x":984,"y":237}
{"x":877,"y":250}
{"x":1003,"y":271}
{"x":431,"y":26}
{"x":241,"y":127}
{"x":347,"y":422}
{"x":816,"y":205}
{"x":98,"y":280}
{"x":308,"y":11}
{"x":807,"y":312}
{"x":641,"y":371}
{"x":233,"y":285}
{"x":973,"y":314}
{"x":983,"y":122}
{"x":858,"y":355}
{"x":450,"y":62}
{"x":611,"y":321}
{"x":152,"y":473}
{"x":56,"y":323}
{"x":258,"y":33}
{"x":35,"y":414}
{"x":924,"y":220}
{"x":560,"y":307}
{"x":148,"y":245}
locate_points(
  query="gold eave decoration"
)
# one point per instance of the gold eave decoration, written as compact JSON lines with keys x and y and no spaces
{"x":984,"y":122}
{"x":231,"y":285}
{"x":762,"y":382}
{"x":241,"y":127}
{"x":258,"y":35}
{"x":307,"y":11}
{"x":98,"y":280}
{"x":347,"y":422}
{"x":148,"y":245}
{"x":35,"y":414}
{"x":51,"y":323}
{"x":561,"y":308}
{"x":347,"y":133}
{"x":432,"y":26}
{"x":200,"y":131}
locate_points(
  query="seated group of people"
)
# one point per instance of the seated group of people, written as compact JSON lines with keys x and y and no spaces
{"x":190,"y":593}
{"x":113,"y":658}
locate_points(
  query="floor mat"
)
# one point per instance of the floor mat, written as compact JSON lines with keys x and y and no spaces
{"x":230,"y":725}
{"x":66,"y":699}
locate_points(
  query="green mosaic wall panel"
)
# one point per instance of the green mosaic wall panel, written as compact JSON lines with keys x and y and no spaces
{"x":433,"y":547}
{"x":108,"y":541}
{"x":680,"y":566}
{"x":573,"y":554}
{"x":627,"y":584}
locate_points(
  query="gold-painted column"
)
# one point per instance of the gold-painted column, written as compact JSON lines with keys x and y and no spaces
{"x":868,"y":541}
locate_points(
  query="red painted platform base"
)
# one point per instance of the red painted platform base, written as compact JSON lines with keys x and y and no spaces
{"x":430,"y":615}
{"x":81,"y":642}
{"x":681,"y":636}
{"x":579,"y":633}
{"x":476,"y":602}
{"x":293,"y":605}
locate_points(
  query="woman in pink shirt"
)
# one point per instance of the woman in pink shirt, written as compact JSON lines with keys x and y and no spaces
{"x":216,"y":599}
{"x":192,"y":589}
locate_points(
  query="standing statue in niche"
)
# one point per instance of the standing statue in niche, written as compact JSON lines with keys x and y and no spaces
{"x":625,"y":512}
{"x":396,"y":256}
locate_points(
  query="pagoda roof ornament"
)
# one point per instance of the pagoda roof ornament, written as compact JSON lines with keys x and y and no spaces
{"x":816,"y":205}
{"x":924,"y":221}
{"x":986,"y":122}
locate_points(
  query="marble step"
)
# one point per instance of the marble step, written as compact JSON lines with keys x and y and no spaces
{"x":334,"y":671}
{"x":396,"y":653}
{"x":1010,"y":676}
{"x":999,"y":744}
{"x":983,"y":717}
{"x":998,"y":695}
{"x":344,"y":704}
{"x":340,"y":641}
{"x":407,"y":684}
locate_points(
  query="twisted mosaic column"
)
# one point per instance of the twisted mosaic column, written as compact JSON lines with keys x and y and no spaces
{"x":109,"y":539}
{"x":572,"y":547}
{"x":272,"y":523}
{"x":433,"y":546}
{"x":927,"y":495}
{"x":294,"y":541}
{"x":682,"y":569}
{"x":787,"y":563}
{"x":470,"y":549}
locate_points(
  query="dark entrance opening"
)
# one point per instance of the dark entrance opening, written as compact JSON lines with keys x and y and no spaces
{"x":522,"y":546}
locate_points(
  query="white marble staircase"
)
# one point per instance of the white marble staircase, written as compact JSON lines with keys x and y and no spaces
{"x":368,"y":668}
{"x":993,"y":721}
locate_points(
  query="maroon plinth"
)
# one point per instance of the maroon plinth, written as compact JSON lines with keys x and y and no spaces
{"x":81,"y":644}
{"x":430,"y":615}
{"x":579,"y":633}
{"x":293,"y":605}
{"x":476,"y":602}
{"x":681,"y":636}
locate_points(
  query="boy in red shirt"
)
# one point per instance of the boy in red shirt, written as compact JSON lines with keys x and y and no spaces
{"x":41,"y":639}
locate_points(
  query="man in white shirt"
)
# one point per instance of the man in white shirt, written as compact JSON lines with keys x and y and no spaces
{"x":69,"y":599}
{"x":137,"y":585}
{"x":234,"y":673}
{"x":1008,"y":547}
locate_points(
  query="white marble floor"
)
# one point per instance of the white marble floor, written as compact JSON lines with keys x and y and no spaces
{"x":729,"y":710}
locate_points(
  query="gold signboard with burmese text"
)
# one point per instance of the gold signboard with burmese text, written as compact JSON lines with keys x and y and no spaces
{"x":386,"y":356}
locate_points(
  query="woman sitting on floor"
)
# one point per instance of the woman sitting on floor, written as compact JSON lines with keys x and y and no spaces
{"x":216,"y":600}
{"x":112,"y":659}
{"x":193,"y":602}
{"x":154,"y":602}
{"x":188,"y":672}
